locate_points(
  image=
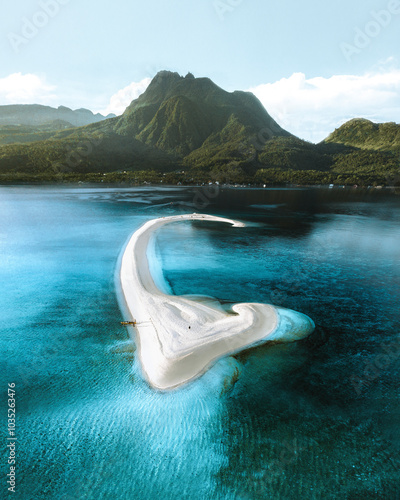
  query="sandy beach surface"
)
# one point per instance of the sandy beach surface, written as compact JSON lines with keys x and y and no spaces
{"x":179,"y":337}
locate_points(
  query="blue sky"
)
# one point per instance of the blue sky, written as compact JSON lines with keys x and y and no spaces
{"x":313,"y":64}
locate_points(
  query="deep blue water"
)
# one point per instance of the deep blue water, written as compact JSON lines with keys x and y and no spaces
{"x":318,"y":419}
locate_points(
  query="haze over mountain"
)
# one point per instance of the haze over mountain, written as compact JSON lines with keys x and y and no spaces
{"x":36,"y":114}
{"x":197,"y":130}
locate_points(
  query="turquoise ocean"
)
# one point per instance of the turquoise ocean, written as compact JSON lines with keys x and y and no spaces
{"x":317,"y":419}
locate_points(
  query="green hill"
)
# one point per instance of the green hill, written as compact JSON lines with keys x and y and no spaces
{"x":11,"y":134}
{"x":186,"y":129}
{"x":36,"y":115}
{"x":173,"y":118}
{"x":364,"y":134}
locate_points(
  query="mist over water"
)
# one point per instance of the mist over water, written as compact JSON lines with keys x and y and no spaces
{"x":318,"y":419}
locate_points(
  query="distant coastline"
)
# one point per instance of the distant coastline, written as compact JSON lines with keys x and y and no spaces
{"x":101,"y":183}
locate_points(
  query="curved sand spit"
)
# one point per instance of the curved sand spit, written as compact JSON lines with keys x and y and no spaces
{"x":180,"y":336}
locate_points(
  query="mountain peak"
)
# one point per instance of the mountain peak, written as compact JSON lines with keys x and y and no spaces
{"x":168,"y":83}
{"x":179,"y":114}
{"x":164,"y":78}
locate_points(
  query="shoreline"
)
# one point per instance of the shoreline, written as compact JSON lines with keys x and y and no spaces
{"x":67,"y":184}
{"x":178,"y":338}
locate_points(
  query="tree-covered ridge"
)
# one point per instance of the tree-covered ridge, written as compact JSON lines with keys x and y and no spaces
{"x":364,"y":134}
{"x":186,"y":129}
{"x":11,"y":134}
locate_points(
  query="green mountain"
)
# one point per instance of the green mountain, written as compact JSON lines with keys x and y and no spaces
{"x":20,"y":123}
{"x":195,"y":121}
{"x":186,"y":129}
{"x":175,"y":118}
{"x":36,"y":115}
{"x":11,"y":134}
{"x":186,"y":111}
{"x":364,"y":134}
{"x":365,"y":151}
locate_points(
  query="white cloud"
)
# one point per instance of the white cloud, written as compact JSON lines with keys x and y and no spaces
{"x":309,"y":108}
{"x":121,"y":100}
{"x":25,"y":89}
{"x":29,"y":88}
{"x":313,"y":108}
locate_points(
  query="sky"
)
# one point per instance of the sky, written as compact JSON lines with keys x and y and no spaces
{"x":313,"y":64}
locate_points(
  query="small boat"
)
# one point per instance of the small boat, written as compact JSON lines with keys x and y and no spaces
{"x":125,"y":323}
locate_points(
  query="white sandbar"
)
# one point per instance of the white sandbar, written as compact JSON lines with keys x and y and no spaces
{"x":179,"y":337}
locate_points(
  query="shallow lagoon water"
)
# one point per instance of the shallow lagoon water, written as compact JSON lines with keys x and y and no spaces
{"x":315,"y":419}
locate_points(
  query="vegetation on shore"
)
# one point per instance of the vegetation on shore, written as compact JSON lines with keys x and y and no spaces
{"x":187,"y":130}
